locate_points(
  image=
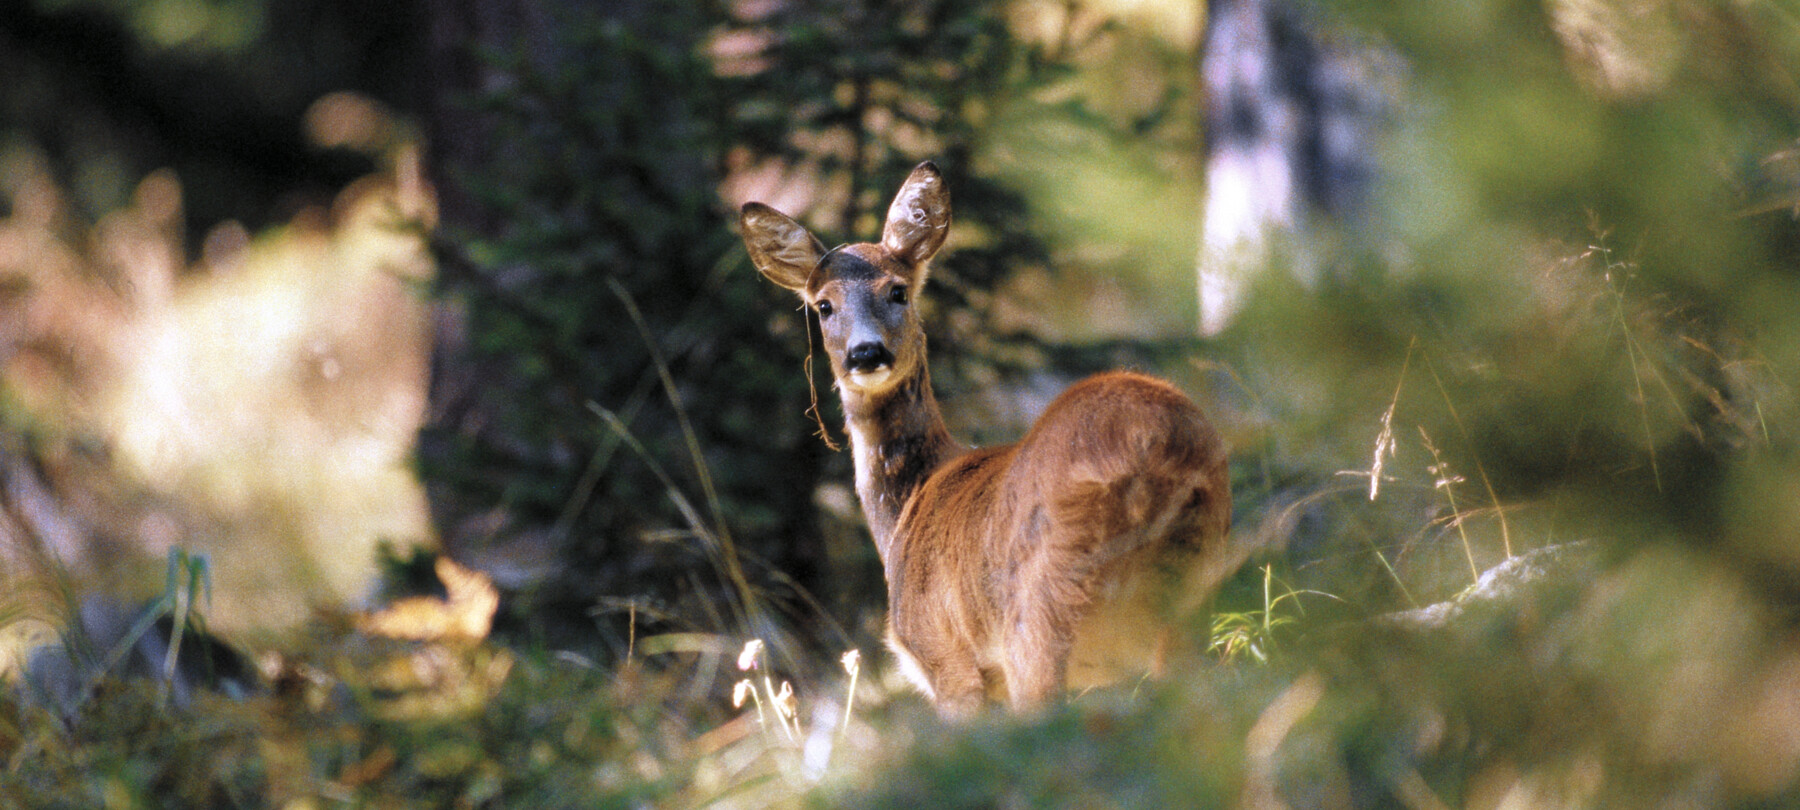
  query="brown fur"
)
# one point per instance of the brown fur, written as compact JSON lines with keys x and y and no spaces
{"x":1013,"y":572}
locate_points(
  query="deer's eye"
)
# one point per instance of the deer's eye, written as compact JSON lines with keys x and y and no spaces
{"x":824,"y":308}
{"x":897,"y":294}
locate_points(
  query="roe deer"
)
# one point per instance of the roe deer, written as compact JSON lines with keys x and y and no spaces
{"x":1013,"y":572}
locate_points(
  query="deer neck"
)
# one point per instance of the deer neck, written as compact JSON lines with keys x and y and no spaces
{"x":898,"y":438}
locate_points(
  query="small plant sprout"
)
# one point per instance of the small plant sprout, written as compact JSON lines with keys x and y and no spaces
{"x":783,"y":703}
{"x":1253,"y":631}
{"x":747,"y":658}
{"x":852,"y":662}
{"x":788,"y":707}
{"x":189,"y":575}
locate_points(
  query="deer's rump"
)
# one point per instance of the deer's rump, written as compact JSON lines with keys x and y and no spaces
{"x":1142,"y":503}
{"x":1122,"y":459}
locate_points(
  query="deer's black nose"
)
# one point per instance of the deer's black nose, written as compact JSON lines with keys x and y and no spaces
{"x":868,"y":357}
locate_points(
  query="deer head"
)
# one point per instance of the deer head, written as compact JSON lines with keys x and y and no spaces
{"x":863,"y":293}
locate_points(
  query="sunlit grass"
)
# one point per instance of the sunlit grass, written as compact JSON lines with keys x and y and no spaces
{"x":286,"y":390}
{"x":266,"y":397}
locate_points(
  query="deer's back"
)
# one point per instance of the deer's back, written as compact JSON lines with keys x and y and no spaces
{"x":1114,"y":426}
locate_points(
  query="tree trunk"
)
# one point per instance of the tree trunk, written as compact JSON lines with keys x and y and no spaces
{"x":1292,"y":114}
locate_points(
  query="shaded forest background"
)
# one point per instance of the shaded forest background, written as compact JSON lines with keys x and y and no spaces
{"x":321,"y":290}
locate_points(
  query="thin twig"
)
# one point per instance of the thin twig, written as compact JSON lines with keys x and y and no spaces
{"x":1447,"y":481}
{"x":1480,"y":469}
{"x":1631,"y":356}
{"x":1384,"y":441}
{"x":749,"y":611}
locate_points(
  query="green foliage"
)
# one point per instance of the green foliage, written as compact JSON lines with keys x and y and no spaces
{"x":1252,"y":631}
{"x":1163,"y":752}
{"x":1563,"y":329}
{"x":1560,"y":692}
{"x":165,"y":642}
{"x":346,"y":725}
{"x":613,"y":270}
{"x":126,"y":746}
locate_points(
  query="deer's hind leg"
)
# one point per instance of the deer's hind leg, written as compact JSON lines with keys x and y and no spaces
{"x":1091,"y":549}
{"x":1052,"y":594}
{"x":1035,"y":662}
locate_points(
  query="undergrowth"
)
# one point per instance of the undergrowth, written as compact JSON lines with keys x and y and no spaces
{"x":1427,"y":639}
{"x":1489,"y":664}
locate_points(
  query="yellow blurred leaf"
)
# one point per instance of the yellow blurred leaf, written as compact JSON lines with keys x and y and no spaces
{"x":466,"y":612}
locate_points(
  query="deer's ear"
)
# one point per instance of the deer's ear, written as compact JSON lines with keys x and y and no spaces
{"x":919,"y":218}
{"x":782,"y":249}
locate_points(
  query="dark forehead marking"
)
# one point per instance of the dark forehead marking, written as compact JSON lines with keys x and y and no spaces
{"x":844,"y":264}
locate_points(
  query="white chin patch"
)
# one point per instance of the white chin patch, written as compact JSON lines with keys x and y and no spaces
{"x":870,"y":379}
